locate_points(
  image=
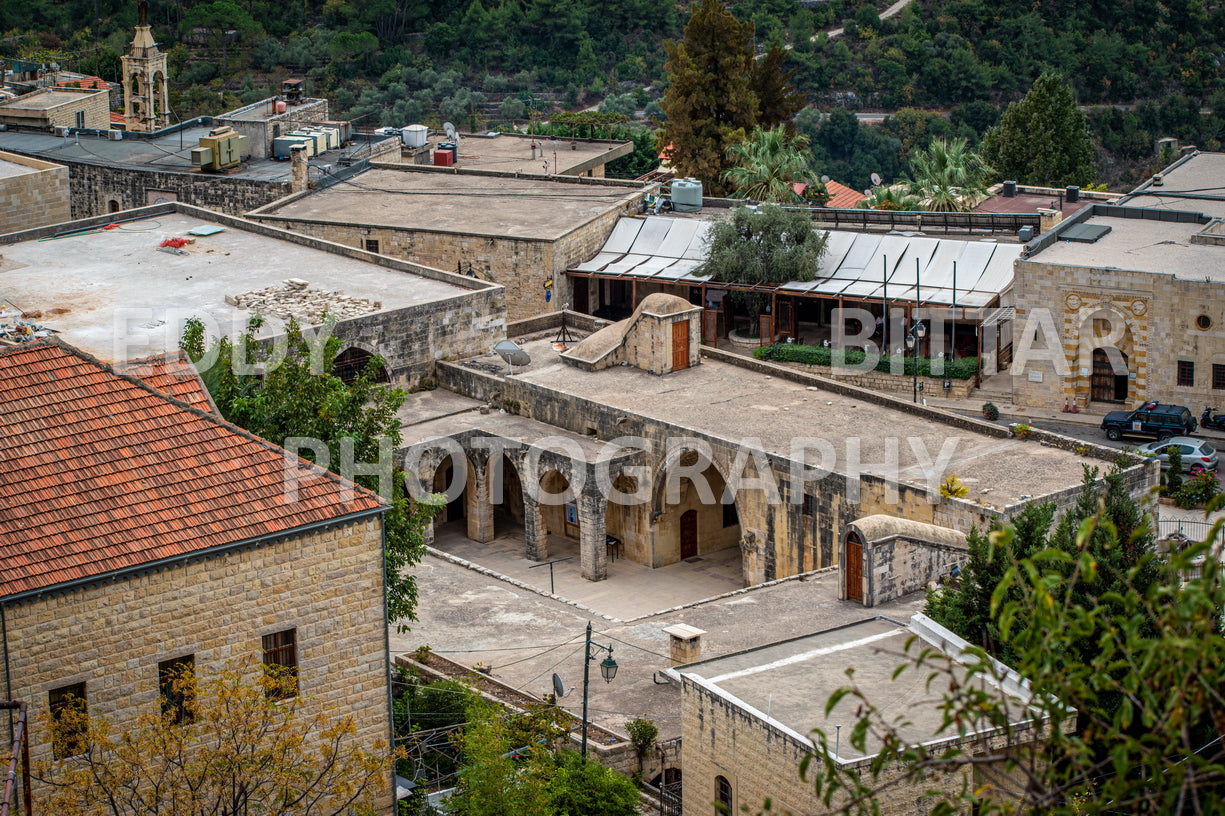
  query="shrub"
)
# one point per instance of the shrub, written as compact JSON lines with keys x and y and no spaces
{"x":1021,"y":430}
{"x":642,"y":733}
{"x":952,"y":488}
{"x":1198,"y":490}
{"x":990,"y":411}
{"x":963,"y":369}
{"x":1173,"y":479}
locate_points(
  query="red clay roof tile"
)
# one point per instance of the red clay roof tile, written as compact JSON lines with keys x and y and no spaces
{"x":105,"y":472}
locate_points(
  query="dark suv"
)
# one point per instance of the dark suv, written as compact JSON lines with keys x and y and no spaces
{"x":1151,"y":419}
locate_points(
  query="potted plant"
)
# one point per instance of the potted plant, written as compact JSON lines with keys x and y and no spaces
{"x":990,"y":412}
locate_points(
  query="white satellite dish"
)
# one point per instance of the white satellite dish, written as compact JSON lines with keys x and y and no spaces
{"x":513,"y":354}
{"x":875,"y":179}
{"x":825,"y":179}
{"x":451,"y":134}
{"x":559,"y":688}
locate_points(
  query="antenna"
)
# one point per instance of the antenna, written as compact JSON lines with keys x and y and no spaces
{"x":513,"y":354}
{"x":559,"y":688}
{"x":875,"y":179}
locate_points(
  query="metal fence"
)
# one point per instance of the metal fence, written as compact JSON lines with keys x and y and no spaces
{"x":1187,"y":530}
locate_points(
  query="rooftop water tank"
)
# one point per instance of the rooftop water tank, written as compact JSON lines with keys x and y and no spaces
{"x":687,"y":195}
{"x":1073,"y":194}
{"x":1010,"y":189}
{"x":413,"y":135}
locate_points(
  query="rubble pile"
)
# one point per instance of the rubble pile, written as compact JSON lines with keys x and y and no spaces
{"x":16,"y":327}
{"x":295,"y":298}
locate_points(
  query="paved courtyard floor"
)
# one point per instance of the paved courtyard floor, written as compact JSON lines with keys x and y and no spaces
{"x":630,"y":591}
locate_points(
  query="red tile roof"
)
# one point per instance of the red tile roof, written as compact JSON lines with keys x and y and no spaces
{"x":174,"y":375}
{"x":85,"y":82}
{"x":102,"y":472}
{"x":839,"y":194}
{"x":118,"y":118}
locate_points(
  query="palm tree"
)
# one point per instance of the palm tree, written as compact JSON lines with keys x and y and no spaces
{"x":767,"y":164}
{"x":948,"y":176}
{"x":893,"y":197}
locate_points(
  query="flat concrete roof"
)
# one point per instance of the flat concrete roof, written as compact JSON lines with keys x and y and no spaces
{"x":1194,"y":185}
{"x":792,"y":680}
{"x":9,"y":169}
{"x":740,"y":405}
{"x":513,"y":152}
{"x":47,"y":99}
{"x":1031,"y":203}
{"x":108,"y":292}
{"x":166,"y":153}
{"x":501,"y":206}
{"x":1161,"y":247}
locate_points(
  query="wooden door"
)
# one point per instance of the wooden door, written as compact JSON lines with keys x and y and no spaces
{"x":689,"y":534}
{"x":1105,"y":385}
{"x":853,"y":569}
{"x":680,"y":345}
{"x":579,"y":299}
{"x":710,"y":326}
{"x":788,"y":318}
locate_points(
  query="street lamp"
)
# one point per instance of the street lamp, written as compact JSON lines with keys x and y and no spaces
{"x":608,"y":670}
{"x":913,"y":338}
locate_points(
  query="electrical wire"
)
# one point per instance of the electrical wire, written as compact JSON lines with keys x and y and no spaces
{"x":635,"y":646}
{"x":554,"y":666}
{"x":534,"y":656}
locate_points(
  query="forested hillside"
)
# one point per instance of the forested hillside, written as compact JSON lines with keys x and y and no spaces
{"x":485,"y":62}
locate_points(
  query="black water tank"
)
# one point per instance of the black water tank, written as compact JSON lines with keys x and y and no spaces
{"x":1073,"y":194}
{"x":1010,"y":189}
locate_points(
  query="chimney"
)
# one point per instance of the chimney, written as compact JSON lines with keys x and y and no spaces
{"x":298,"y":177}
{"x":686,"y":643}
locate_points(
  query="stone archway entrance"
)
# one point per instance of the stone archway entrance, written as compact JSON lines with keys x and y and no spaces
{"x":1107,"y":384}
{"x":444,"y":481}
{"x":506,"y":495}
{"x":695,"y":512}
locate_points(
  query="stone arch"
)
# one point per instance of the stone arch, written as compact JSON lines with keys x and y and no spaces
{"x":112,"y":206}
{"x":351,"y":362}
{"x":1105,"y":354}
{"x":558,"y":500}
{"x":506,"y":493}
{"x":695,"y":519}
{"x":156,"y":102}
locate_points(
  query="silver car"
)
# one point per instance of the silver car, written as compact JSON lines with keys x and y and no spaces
{"x":1196,"y":453}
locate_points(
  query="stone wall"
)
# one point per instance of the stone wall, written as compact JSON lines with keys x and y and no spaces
{"x":33,"y":199}
{"x":94,"y":104}
{"x":900,"y":565}
{"x":893,"y":383}
{"x":327,"y":584}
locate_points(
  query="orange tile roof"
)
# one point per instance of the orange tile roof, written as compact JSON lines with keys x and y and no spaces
{"x":842,"y":196}
{"x":118,"y":118}
{"x":85,"y":82}
{"x":173,"y":374}
{"x":102,"y":473}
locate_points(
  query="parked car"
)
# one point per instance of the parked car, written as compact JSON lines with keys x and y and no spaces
{"x":1151,"y":419}
{"x":1196,"y":453}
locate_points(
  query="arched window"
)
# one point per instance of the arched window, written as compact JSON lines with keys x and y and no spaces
{"x":351,"y":363}
{"x":723,"y":796}
{"x":113,"y":206}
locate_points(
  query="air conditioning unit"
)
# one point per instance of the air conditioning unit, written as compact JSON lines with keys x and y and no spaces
{"x":1158,"y":179}
{"x":60,"y":131}
{"x":114,"y":135}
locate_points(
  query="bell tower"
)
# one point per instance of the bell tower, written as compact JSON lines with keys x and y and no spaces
{"x":146,"y":93}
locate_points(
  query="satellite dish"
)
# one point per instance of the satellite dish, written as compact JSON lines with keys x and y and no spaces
{"x":875,"y":178}
{"x":451,"y":134}
{"x":510,"y":351}
{"x":825,"y":179}
{"x":559,"y":688}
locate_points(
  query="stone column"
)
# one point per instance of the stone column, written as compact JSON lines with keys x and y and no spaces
{"x":535,"y":535}
{"x":593,"y":544}
{"x":299,"y":178}
{"x":427,"y":535}
{"x":752,"y":549}
{"x":477,"y":506}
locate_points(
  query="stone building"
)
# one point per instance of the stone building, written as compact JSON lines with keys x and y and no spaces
{"x":1123,"y":304}
{"x":33,"y":193}
{"x":141,"y":532}
{"x":51,"y":108}
{"x":263,"y":121}
{"x":82,"y":287}
{"x":746,"y":720}
{"x":146,"y":90}
{"x":733,"y":460}
{"x":519,"y":230}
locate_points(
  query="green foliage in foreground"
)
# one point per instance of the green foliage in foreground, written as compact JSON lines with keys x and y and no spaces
{"x":964,"y":368}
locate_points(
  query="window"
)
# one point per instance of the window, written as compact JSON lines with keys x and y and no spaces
{"x":1218,"y":376}
{"x":723,"y":796}
{"x":372,"y":244}
{"x":80,"y":119}
{"x":1203,"y":322}
{"x":281,"y":663}
{"x":730,"y":517}
{"x":810,"y":505}
{"x":1186,"y":372}
{"x":176,"y":679}
{"x":69,"y":717}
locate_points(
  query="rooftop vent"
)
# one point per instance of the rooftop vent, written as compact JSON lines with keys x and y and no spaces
{"x":1084,"y":233}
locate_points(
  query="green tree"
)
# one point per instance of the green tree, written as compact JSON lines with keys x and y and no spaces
{"x":767,"y":164}
{"x":948,"y":176}
{"x":769,"y":245}
{"x":497,"y":777}
{"x":299,"y":396}
{"x":778,"y":101}
{"x":709,"y":102}
{"x":582,"y":788}
{"x":1043,"y":139}
{"x":1157,"y":648}
{"x":889,"y":197}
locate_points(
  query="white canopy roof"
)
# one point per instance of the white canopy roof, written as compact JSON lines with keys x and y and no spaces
{"x":856,"y":264}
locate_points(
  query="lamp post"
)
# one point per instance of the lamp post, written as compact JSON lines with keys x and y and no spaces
{"x":917,"y":332}
{"x":608,"y":670}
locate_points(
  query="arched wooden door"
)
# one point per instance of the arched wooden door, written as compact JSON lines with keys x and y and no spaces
{"x":689,"y":534}
{"x":1107,"y":385}
{"x":853,"y":568}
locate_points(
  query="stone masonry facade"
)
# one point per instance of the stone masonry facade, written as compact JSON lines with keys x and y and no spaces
{"x":33,"y":199}
{"x":327,"y":584}
{"x":93,"y":105}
